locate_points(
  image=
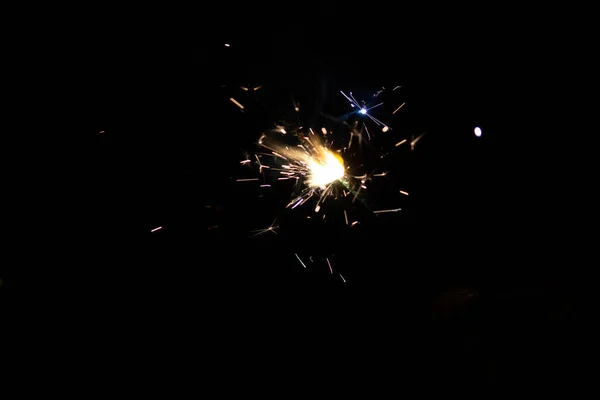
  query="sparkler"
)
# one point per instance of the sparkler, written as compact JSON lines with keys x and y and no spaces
{"x":325,"y":162}
{"x":322,"y":164}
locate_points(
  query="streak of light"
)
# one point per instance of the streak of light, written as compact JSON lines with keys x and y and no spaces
{"x":343,"y":279}
{"x":237,"y":103}
{"x":300,"y":260}
{"x":387,"y":211}
{"x":258,"y":162}
{"x":355,"y":101}
{"x":400,"y":142}
{"x":414,"y":142}
{"x":156,"y":229}
{"x":399,"y":107}
{"x":330,"y":268}
{"x":246,"y":179}
{"x":404,"y":193}
{"x":271,"y":228}
{"x":298,"y":203}
{"x":348,"y":98}
{"x":378,"y":122}
{"x":265,"y":185}
{"x":346,"y":217}
{"x":377,"y":105}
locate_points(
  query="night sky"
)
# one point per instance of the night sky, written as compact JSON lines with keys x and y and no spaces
{"x":466,"y":285}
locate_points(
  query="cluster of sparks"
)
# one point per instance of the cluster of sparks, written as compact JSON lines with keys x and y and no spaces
{"x":320,"y":170}
{"x":320,"y":162}
{"x":328,"y":265}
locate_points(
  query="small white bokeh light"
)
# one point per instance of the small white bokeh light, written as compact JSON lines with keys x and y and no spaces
{"x":477,"y":131}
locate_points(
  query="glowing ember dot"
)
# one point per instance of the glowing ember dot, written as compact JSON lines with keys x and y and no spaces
{"x":324,"y":131}
{"x":477,"y":131}
{"x":226,"y":44}
{"x":385,"y":129}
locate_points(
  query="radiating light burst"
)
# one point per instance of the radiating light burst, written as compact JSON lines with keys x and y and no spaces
{"x":336,"y":157}
{"x":364,"y":110}
{"x":324,"y":162}
{"x":311,"y":162}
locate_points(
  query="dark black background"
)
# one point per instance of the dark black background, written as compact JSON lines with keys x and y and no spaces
{"x":473,"y":283}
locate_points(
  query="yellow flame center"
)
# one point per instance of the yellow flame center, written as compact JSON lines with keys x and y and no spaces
{"x":325,"y":169}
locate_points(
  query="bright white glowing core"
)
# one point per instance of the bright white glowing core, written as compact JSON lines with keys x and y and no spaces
{"x":326,"y":169}
{"x":363,"y":111}
{"x":477,"y":131}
